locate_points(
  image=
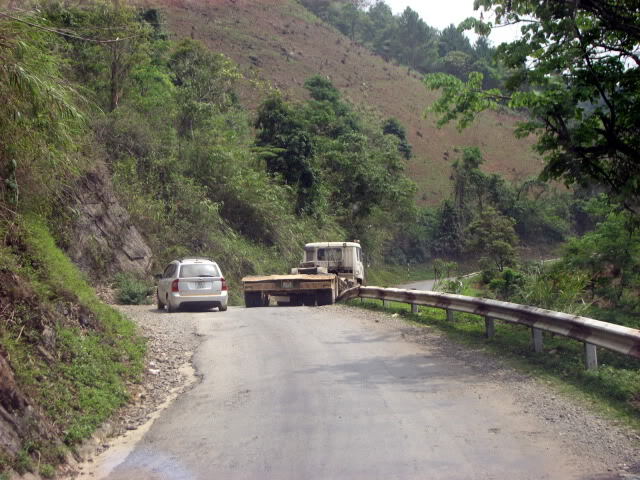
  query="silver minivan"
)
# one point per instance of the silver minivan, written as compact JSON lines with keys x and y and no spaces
{"x":192,"y":281}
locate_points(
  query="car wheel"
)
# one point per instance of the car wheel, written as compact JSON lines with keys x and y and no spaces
{"x":160,"y":303}
{"x":222,"y":308}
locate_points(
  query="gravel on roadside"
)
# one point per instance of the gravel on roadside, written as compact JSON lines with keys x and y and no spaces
{"x":601,"y":441}
{"x":171,"y":343}
{"x":170,"y":346}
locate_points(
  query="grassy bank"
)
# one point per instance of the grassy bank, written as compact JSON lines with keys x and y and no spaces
{"x":614,"y":389}
{"x":73,"y":357}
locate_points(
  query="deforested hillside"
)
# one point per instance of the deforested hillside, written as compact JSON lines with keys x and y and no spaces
{"x":279,"y":43}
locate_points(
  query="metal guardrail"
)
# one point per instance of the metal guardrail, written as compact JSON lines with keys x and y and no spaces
{"x":593,"y":333}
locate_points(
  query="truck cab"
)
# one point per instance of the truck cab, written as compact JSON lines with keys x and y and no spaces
{"x":343,"y":259}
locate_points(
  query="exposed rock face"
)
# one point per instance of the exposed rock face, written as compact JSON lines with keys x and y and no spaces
{"x":104,"y":239}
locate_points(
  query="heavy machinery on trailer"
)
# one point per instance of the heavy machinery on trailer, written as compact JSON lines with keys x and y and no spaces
{"x":327,"y":269}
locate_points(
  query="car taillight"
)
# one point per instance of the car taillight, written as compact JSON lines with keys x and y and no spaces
{"x":224,"y":284}
{"x":174,"y":285}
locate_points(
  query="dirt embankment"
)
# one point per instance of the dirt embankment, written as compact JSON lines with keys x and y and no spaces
{"x":25,"y":427}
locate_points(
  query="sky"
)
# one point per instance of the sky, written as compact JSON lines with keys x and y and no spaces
{"x":439,"y":14}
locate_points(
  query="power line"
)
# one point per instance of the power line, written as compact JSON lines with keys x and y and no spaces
{"x":66,"y":34}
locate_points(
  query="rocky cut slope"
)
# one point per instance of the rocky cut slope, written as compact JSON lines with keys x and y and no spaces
{"x":280,"y":43}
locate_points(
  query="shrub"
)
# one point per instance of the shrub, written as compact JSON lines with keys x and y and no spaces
{"x":555,"y":289}
{"x":132,"y":290}
{"x":451,"y":286}
{"x":507,"y":283}
{"x":47,"y":470}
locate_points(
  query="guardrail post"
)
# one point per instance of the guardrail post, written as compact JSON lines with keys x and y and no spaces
{"x":590,"y":356}
{"x":489,"y":327}
{"x":536,"y":335}
{"x":450,"y":317}
{"x":414,"y":308}
{"x":384,"y":303}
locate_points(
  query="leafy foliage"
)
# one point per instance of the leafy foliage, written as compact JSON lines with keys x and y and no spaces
{"x":609,"y":257}
{"x":340,"y":162}
{"x":38,"y":119}
{"x":539,"y":214}
{"x":132,"y":290}
{"x":575,"y":72}
{"x":507,"y":284}
{"x":493,"y":235}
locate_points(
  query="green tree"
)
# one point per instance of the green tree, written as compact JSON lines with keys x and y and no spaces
{"x":393,"y":127}
{"x":205,"y":83}
{"x":414,"y":37}
{"x":449,"y":236}
{"x":493,"y":236}
{"x":469,"y":182}
{"x":575,"y":71}
{"x":382,"y":28}
{"x":320,"y":88}
{"x":452,"y":39}
{"x":108,"y":43}
{"x":290,"y":150}
{"x":609,"y":255}
{"x":39,"y":117}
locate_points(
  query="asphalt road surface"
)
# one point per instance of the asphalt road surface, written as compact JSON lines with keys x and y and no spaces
{"x":305,"y":393}
{"x":426,"y":285}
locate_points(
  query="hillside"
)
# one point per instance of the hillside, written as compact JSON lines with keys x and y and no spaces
{"x":281,"y":44}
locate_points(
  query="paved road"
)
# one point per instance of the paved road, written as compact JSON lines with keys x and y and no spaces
{"x":420,"y":285}
{"x":325,"y":393}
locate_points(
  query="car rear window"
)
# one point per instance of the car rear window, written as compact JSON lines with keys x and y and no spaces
{"x":199,"y":270}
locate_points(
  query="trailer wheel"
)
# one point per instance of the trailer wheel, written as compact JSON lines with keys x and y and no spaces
{"x":253,"y":299}
{"x":325,"y":297}
{"x":309,"y":299}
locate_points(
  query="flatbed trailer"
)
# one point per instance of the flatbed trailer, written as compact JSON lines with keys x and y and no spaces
{"x":298,"y":289}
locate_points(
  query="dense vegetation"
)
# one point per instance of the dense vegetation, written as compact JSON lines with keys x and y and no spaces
{"x":409,"y":40}
{"x":575,"y":73}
